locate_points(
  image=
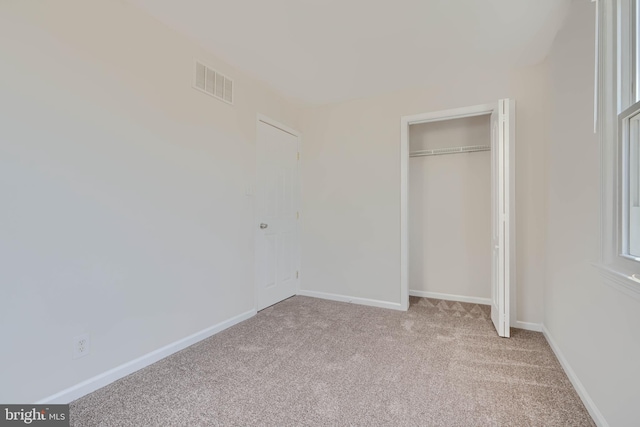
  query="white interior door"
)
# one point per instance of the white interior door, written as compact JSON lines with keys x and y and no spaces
{"x":277,"y":214}
{"x":502,"y":199}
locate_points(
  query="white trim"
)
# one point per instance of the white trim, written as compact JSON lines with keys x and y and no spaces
{"x":614,"y":72}
{"x":619,"y":281}
{"x":300,"y":212}
{"x":616,"y":269}
{"x":512,"y":238}
{"x":596,"y":80}
{"x":624,"y":54}
{"x":281,"y":126}
{"x":352,"y":300}
{"x":404,"y":211}
{"x":528,"y":326}
{"x":92,"y":384}
{"x":597,"y":416}
{"x":456,"y":113}
{"x":450,"y":297}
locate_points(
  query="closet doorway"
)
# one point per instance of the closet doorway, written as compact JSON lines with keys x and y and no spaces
{"x":458,"y":207}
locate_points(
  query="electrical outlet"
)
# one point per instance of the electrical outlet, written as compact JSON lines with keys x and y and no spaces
{"x":81,"y":346}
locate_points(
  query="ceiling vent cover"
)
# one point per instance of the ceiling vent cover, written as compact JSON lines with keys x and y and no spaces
{"x":213,"y":83}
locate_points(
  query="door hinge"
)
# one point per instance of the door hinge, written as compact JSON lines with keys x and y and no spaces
{"x":297,"y":274}
{"x":298,"y":155}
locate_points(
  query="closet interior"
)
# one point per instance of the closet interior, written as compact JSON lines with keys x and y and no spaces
{"x":450,"y":209}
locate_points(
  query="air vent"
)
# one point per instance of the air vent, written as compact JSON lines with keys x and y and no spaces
{"x":213,"y":83}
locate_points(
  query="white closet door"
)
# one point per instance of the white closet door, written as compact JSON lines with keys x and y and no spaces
{"x":277,"y":213}
{"x":502,"y":128}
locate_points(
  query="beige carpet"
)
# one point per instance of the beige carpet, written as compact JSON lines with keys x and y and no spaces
{"x":310,"y":362}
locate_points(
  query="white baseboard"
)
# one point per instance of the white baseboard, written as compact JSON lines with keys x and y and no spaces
{"x":92,"y":384}
{"x":450,"y":297}
{"x":597,"y":416}
{"x":529,"y":326}
{"x":353,"y":300}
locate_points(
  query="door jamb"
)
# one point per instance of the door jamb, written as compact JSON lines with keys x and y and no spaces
{"x":405,"y":122}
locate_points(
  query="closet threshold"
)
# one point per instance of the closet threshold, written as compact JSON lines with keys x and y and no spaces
{"x":452,"y":150}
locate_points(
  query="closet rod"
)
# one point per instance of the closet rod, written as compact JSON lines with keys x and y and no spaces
{"x":453,"y":150}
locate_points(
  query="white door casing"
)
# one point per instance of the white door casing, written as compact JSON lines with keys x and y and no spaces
{"x":277,"y":213}
{"x":503,"y":204}
{"x":501,"y":212}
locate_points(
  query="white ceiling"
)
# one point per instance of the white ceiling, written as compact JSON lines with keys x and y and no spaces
{"x":321,"y":51}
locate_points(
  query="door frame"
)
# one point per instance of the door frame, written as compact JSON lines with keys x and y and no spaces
{"x":256,"y":221}
{"x":436,"y":116}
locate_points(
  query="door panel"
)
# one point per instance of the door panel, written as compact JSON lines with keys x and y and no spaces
{"x":270,"y":242}
{"x":277,"y":201}
{"x":501,"y":198}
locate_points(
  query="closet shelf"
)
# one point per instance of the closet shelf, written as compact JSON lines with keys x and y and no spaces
{"x":453,"y":150}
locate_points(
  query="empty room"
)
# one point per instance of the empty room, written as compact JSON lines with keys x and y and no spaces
{"x":320,"y":212}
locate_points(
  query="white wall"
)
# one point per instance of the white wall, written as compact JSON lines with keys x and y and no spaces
{"x":594,"y":326}
{"x":351,"y":178}
{"x":123,"y":191}
{"x":450,"y":209}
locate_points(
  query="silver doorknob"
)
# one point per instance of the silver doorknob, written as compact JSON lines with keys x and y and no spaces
{"x":263,"y":225}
